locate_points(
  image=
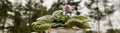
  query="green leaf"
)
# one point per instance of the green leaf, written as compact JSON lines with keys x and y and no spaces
{"x":43,"y":27}
{"x":59,"y":17}
{"x":76,"y":22}
{"x":38,"y":22}
{"x":43,"y":23}
{"x":83,"y":18}
{"x":80,"y":17}
{"x":46,"y":18}
{"x":72,"y":22}
{"x":83,"y":25}
{"x":56,"y":25}
{"x":57,"y":13}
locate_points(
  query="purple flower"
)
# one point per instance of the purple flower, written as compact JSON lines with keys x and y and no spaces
{"x":67,"y":8}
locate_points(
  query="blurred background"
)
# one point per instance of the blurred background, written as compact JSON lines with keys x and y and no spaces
{"x":16,"y":16}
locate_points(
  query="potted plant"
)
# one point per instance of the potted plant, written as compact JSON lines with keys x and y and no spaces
{"x":60,"y":19}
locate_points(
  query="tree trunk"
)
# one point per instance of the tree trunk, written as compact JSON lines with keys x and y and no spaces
{"x":110,"y":23}
{"x":98,"y":16}
{"x":30,"y":22}
{"x":4,"y":21}
{"x":84,"y":31}
{"x":98,"y":26}
{"x":15,"y":27}
{"x":41,"y":9}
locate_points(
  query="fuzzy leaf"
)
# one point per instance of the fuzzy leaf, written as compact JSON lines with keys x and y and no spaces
{"x":76,"y":22}
{"x":59,"y":17}
{"x":57,"y":13}
{"x":46,"y":18}
{"x":43,"y":27}
{"x":84,"y":19}
{"x":55,"y":25}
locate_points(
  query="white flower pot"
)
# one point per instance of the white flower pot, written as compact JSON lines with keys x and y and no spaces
{"x":64,"y":30}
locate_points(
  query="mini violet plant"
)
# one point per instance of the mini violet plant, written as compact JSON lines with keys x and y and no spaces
{"x":58,"y":19}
